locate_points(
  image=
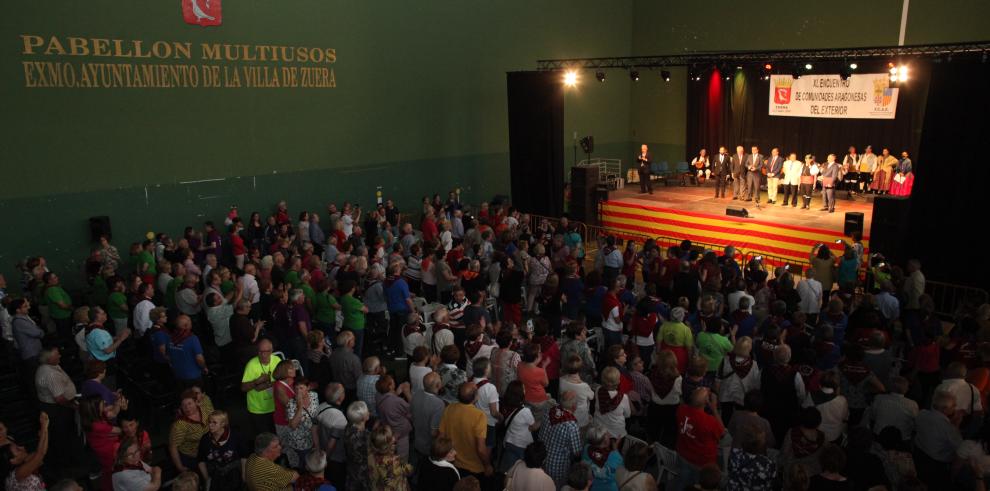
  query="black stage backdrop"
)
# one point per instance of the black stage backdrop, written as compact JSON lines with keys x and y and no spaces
{"x":735,"y":112}
{"x":949,"y":201}
{"x":536,"y":141}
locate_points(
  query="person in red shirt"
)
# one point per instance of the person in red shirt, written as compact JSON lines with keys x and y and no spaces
{"x":237,"y":243}
{"x":429,"y":227}
{"x":698,"y":435}
{"x":668,"y":269}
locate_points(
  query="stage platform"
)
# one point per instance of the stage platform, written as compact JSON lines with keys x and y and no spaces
{"x":781,"y":234}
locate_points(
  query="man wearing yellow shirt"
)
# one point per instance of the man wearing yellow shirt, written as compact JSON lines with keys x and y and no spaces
{"x":467,"y":427}
{"x":257,"y":383}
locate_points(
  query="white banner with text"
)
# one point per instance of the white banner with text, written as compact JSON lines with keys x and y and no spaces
{"x":861,"y":96}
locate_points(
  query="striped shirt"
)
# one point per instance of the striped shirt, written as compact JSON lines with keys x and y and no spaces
{"x":262,"y":474}
{"x":52,"y":382}
{"x":185,"y":435}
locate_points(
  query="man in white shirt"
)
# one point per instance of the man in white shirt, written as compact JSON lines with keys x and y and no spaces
{"x":966,"y":394}
{"x":142,"y":311}
{"x":914,"y":285}
{"x":810,"y":291}
{"x":740,"y":293}
{"x":249,"y":285}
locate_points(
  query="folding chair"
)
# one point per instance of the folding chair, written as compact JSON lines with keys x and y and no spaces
{"x":666,"y":463}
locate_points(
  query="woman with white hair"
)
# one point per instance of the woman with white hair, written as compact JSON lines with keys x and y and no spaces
{"x":738,"y":373}
{"x":613,"y":406}
{"x":602,"y":456}
{"x":356,"y":447}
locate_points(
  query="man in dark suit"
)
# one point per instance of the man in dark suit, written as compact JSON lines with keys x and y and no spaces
{"x":775,"y":165}
{"x":754,"y":174}
{"x":738,"y":168}
{"x":721,"y":167}
{"x":644,"y":159}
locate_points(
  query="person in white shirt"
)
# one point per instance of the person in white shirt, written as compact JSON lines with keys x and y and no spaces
{"x":249,"y":283}
{"x":740,"y":293}
{"x":867,"y":165}
{"x":792,"y":179}
{"x":419,"y":368}
{"x":612,"y":412}
{"x":831,"y":404}
{"x":810,"y":291}
{"x":142,"y":311}
{"x":487,"y":400}
{"x":520,"y":425}
{"x":966,"y":394}
{"x":571,"y":382}
{"x":332,"y":422}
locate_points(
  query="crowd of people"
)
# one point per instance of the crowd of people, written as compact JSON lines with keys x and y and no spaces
{"x":483,"y":350}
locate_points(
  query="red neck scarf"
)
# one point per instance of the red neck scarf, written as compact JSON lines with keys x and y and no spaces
{"x":856,"y":372}
{"x":472,"y":347}
{"x":599,"y":455}
{"x":560,"y":415}
{"x":610,"y":302}
{"x":219,"y":442}
{"x":607,"y":403}
{"x":661,"y":385}
{"x":741,"y":367}
{"x":181,"y":335}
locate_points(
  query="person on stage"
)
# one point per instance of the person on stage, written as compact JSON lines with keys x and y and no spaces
{"x":809,"y":173}
{"x":792,"y":179}
{"x":850,"y":171}
{"x":903,"y":180}
{"x":866,"y":166}
{"x":702,"y":167}
{"x":886,"y":165}
{"x":830,"y":177}
{"x":739,"y":172}
{"x":721,"y":168}
{"x":754,"y":174}
{"x":645,"y":158}
{"x":775,"y":164}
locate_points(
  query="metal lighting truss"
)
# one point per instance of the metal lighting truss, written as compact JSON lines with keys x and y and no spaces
{"x":705,"y":59}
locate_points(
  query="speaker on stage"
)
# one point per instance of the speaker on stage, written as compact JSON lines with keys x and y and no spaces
{"x":854,"y":223}
{"x":737,"y":211}
{"x":99,"y":226}
{"x":584,"y":199}
{"x":890,"y":227}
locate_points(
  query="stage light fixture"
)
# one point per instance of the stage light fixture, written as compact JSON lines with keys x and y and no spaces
{"x":634,"y":75}
{"x":600,"y":75}
{"x":808,"y":66}
{"x":902,"y":73}
{"x":570,"y":78}
{"x":765,"y":71}
{"x":853,"y":66}
{"x":665,"y":75}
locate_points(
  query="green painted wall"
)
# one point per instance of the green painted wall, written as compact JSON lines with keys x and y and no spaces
{"x":658,"y":115}
{"x":419,"y":107}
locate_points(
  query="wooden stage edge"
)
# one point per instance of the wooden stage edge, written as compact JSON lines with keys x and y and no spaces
{"x":701,"y":199}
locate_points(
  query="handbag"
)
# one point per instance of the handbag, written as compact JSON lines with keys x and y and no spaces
{"x":828,"y":181}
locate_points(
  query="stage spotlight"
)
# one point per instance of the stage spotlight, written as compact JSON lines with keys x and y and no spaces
{"x":765,"y":71}
{"x":808,"y":66}
{"x":902,"y":73}
{"x":600,"y":75}
{"x":570,"y":78}
{"x":665,"y":75}
{"x":634,"y":75}
{"x":853,"y":66}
